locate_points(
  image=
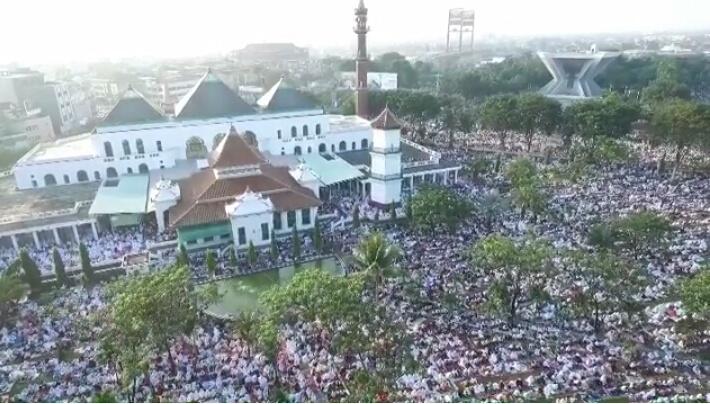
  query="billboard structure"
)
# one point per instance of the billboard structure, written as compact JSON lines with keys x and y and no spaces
{"x":460,"y":25}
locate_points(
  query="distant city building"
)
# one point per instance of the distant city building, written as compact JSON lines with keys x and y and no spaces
{"x":20,"y":130}
{"x":375,"y":80}
{"x":573,"y":74}
{"x":271,"y":52}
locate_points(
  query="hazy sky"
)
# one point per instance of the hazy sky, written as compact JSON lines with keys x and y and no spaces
{"x":37,"y":31}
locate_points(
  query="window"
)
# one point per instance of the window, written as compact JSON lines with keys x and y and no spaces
{"x":242,"y":234}
{"x":97,"y":175}
{"x":111,"y":172}
{"x":294,"y":131}
{"x":126,"y":147}
{"x":343,"y":146}
{"x":34,"y":183}
{"x":278,"y":133}
{"x":352,"y":146}
{"x":49,"y":180}
{"x":208,"y":239}
{"x":108,"y":149}
{"x":317,"y":129}
{"x":66,"y":179}
{"x":283,"y":151}
{"x":332,"y":148}
{"x":291,"y":218}
{"x":306,"y":216}
{"x":322,"y":148}
{"x":143,"y":168}
{"x":129,"y":170}
{"x":310,"y":150}
{"x":305,"y":130}
{"x":159,"y":145}
{"x":139,"y":147}
{"x":297,"y":150}
{"x":364,"y":144}
{"x":277,"y":220}
{"x":82,"y":176}
{"x":191,"y":242}
{"x":225,"y":236}
{"x":264,"y":231}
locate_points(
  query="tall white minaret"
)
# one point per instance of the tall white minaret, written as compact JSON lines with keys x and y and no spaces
{"x":386,"y":160}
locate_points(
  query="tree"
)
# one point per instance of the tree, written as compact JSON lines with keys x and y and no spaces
{"x":141,"y":306}
{"x":59,"y":271}
{"x":435,"y":206}
{"x":519,"y":271}
{"x":530,"y":198}
{"x":680,"y":124}
{"x":251,"y":254}
{"x":211,"y":263}
{"x":356,"y":217}
{"x":233,"y":257}
{"x":490,"y":207}
{"x":295,"y":240}
{"x":375,"y":257}
{"x":32,"y":276}
{"x":538,"y":114}
{"x":183,"y":259}
{"x":601,"y":235}
{"x":274,"y":247}
{"x":599,"y":283}
{"x":695,"y":293}
{"x":500,"y":115}
{"x":478,"y":167}
{"x":521,"y":172}
{"x":86,"y":267}
{"x":317,"y":238}
{"x":393,"y":212}
{"x":640,"y":230}
{"x":246,"y":328}
{"x":12,"y":290}
{"x":610,"y":116}
{"x":408,"y":209}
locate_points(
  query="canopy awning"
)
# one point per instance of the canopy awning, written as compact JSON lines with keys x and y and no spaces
{"x":331,"y":169}
{"x":126,"y":194}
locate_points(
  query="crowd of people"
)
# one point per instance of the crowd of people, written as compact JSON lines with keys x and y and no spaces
{"x":49,"y":352}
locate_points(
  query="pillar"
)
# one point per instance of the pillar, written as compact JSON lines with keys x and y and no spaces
{"x":446,"y":177}
{"x":14,"y":242}
{"x":56,"y":236}
{"x":35,"y":236}
{"x":94,"y":230}
{"x":160,"y":219}
{"x":76,"y":233}
{"x":456,"y":176}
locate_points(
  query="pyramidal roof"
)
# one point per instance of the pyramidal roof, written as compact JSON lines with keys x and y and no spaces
{"x":386,"y":120}
{"x":234,"y":151}
{"x":211,"y":98}
{"x":131,"y":108}
{"x":282,"y":98}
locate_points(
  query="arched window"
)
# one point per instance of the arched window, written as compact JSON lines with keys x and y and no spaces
{"x":283,"y":151}
{"x":108,"y":149}
{"x":195,"y":148}
{"x":322,"y":148}
{"x":310,"y":150}
{"x":143,"y":168}
{"x":50,"y":180}
{"x":139,"y":146}
{"x":364,"y":144}
{"x":129,"y":170}
{"x":352,"y":146}
{"x":250,"y":138}
{"x":82,"y":176}
{"x":126,"y":147}
{"x":297,"y":150}
{"x":278,"y":133}
{"x":159,"y":145}
{"x":305,"y":130}
{"x":343,"y":146}
{"x":294,"y":131}
{"x":111,"y":172}
{"x":332,"y":148}
{"x":97,"y":175}
{"x":66,"y":179}
{"x":317,"y":129}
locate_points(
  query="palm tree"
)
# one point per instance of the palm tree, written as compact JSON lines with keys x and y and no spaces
{"x":246,"y":328}
{"x":376,"y":257}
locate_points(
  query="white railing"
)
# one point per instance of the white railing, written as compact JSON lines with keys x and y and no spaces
{"x":44,"y":215}
{"x":435,"y":155}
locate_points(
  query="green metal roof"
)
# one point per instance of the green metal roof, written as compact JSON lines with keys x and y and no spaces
{"x":331,"y":169}
{"x":126,"y":194}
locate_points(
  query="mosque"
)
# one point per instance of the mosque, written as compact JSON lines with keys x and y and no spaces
{"x":221,"y":170}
